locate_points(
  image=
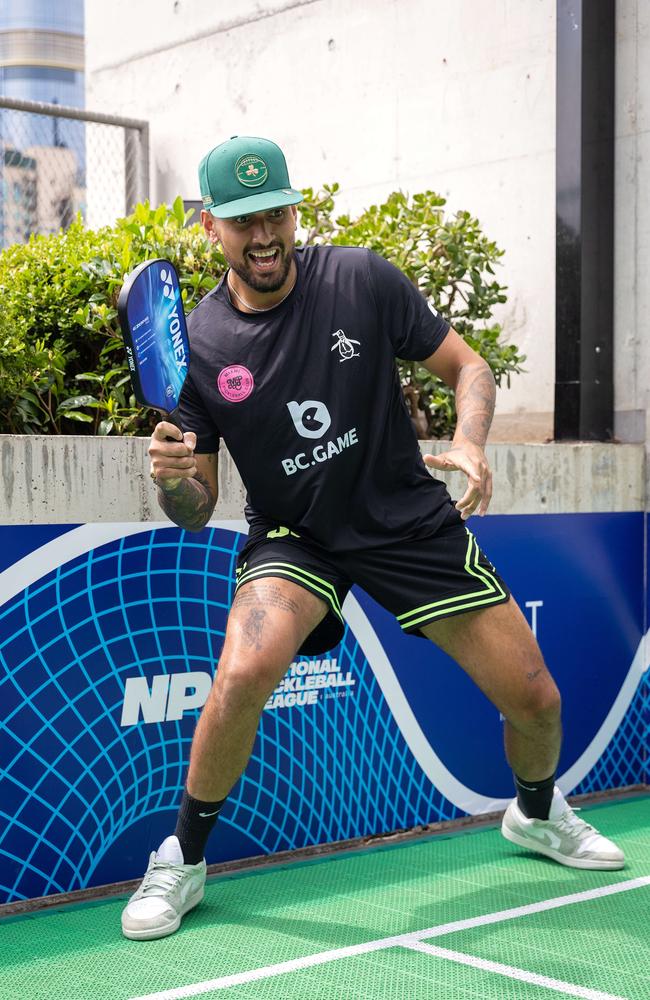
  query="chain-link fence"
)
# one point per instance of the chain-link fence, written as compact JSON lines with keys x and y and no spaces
{"x":58,"y":161}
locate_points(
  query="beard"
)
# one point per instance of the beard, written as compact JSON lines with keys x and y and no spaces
{"x":263,"y":282}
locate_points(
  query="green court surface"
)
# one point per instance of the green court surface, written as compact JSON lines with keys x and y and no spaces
{"x":450,"y":916}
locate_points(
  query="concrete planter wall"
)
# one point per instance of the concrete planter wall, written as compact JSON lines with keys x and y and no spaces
{"x":63,"y":480}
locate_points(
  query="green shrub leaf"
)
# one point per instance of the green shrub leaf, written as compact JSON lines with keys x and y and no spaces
{"x":75,"y":415}
{"x":74,"y":401}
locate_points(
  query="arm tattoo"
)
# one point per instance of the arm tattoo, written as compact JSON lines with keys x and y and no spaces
{"x":267,"y":594}
{"x":188,"y":504}
{"x":475,"y":398}
{"x":253,"y":627}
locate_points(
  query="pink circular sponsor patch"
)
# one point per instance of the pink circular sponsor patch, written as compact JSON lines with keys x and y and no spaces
{"x":235,"y":383}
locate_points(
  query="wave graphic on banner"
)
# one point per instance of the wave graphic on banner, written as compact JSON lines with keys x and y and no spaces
{"x":105,"y":603}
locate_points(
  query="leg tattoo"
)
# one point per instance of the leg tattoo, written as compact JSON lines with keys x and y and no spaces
{"x":253,"y":627}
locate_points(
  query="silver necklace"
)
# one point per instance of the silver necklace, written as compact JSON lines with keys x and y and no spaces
{"x":255,"y":309}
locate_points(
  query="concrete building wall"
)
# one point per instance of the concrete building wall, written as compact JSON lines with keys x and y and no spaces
{"x":457,"y":97}
{"x":632,"y":222}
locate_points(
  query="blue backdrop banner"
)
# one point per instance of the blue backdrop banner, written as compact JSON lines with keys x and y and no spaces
{"x":109,"y":637}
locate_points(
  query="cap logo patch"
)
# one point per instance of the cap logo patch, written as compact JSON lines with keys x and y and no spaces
{"x":251,"y":170}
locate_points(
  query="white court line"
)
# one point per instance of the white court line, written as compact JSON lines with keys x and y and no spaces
{"x":412,"y":937}
{"x":570,"y":989}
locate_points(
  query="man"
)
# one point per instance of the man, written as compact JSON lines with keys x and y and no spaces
{"x":293,"y":364}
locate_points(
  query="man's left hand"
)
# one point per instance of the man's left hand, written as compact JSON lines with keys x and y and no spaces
{"x":471,"y":460}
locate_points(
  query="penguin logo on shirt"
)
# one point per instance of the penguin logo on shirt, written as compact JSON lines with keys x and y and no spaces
{"x":345,"y":346}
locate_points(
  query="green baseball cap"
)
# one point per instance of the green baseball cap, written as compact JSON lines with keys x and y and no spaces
{"x":244,"y":175}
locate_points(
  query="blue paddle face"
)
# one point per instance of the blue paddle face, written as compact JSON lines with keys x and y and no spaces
{"x":151,"y":315}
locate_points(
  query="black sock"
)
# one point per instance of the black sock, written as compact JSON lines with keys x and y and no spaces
{"x":535,"y":797}
{"x":194,"y":825}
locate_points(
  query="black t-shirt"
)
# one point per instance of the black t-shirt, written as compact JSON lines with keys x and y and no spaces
{"x":308,"y":400}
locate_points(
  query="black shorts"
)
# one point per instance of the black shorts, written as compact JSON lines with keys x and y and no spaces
{"x":418,"y":580}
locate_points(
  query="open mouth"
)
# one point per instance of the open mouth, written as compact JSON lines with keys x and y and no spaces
{"x":264,"y":260}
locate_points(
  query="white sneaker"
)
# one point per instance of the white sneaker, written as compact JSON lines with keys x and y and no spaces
{"x":169,"y":889}
{"x":563,"y":836}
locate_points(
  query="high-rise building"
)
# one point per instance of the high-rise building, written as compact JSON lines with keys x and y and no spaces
{"x":43,"y":157}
